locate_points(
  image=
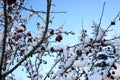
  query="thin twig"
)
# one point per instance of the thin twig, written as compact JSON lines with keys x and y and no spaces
{"x":51,"y":70}
{"x":100,"y":20}
{"x":43,"y":12}
{"x":110,"y":25}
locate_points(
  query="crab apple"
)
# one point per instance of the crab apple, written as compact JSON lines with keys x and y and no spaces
{"x":30,"y":39}
{"x":79,"y":52}
{"x":29,"y":34}
{"x":13,"y":1}
{"x":20,"y":31}
{"x":87,"y":52}
{"x":9,"y":2}
{"x":52,"y":49}
{"x":10,"y":9}
{"x":42,"y":48}
{"x":101,"y":73}
{"x":114,"y":51}
{"x":112,"y":23}
{"x":109,"y":74}
{"x":58,"y":38}
{"x":61,"y":50}
{"x":112,"y":77}
{"x":52,"y":32}
{"x":114,"y":66}
{"x":16,"y":38}
{"x":113,"y":72}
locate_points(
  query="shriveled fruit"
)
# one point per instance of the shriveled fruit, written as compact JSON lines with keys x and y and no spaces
{"x":58,"y":38}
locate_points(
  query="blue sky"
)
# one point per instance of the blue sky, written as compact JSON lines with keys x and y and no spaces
{"x":78,"y":10}
{"x":85,"y":9}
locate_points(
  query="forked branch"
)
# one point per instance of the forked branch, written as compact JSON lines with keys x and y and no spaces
{"x":37,"y":45}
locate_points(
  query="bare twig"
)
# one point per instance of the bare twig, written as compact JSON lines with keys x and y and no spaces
{"x":100,"y":20}
{"x":51,"y":69}
{"x":110,"y":25}
{"x":43,"y":12}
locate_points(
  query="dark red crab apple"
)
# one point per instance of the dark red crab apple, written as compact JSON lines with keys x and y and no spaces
{"x":58,"y":38}
{"x":10,"y":2}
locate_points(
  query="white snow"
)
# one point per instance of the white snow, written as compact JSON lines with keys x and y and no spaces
{"x":95,"y":76}
{"x":65,"y":51}
{"x":1,"y":12}
{"x":81,"y":63}
{"x":1,"y":35}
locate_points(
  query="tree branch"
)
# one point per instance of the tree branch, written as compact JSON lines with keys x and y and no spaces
{"x":37,"y":45}
{"x":51,"y":70}
{"x":4,"y":38}
{"x":43,"y":12}
{"x":110,"y":25}
{"x":100,"y":20}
